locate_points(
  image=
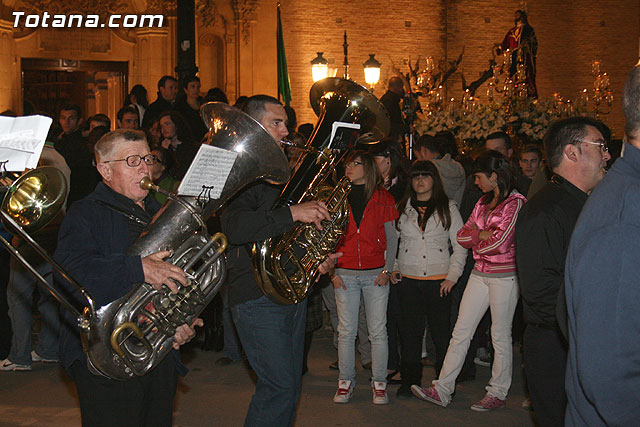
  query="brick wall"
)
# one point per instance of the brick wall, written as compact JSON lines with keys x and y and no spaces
{"x":570,"y":36}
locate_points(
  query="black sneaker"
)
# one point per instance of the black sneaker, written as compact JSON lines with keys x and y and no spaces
{"x":404,"y":393}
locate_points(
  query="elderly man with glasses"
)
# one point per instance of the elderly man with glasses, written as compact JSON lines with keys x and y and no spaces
{"x":577,"y":154}
{"x":92,"y":244}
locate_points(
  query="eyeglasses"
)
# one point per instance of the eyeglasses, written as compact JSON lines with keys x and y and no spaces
{"x":602,"y":144}
{"x":135,"y":160}
{"x":353,"y":164}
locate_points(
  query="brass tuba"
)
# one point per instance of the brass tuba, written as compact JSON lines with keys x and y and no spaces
{"x":134,"y":333}
{"x":285,"y":267}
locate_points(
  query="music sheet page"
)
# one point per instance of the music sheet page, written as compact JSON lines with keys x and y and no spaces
{"x":208,"y":172}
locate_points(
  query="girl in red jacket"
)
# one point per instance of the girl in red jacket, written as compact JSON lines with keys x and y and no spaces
{"x":363,"y":272}
{"x":493,"y":283}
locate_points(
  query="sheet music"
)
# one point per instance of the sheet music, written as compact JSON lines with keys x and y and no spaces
{"x":336,"y":125}
{"x":210,"y":168}
{"x":22,"y":140}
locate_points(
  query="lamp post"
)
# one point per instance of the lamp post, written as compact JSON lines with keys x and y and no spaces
{"x":372,"y":70}
{"x":319,"y":67}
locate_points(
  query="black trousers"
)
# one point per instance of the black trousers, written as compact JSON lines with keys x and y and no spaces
{"x":393,"y":333}
{"x":5,"y":322}
{"x":420,"y":299}
{"x":545,"y":359}
{"x":141,"y":401}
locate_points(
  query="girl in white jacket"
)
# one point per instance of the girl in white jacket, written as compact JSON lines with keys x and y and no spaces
{"x":429,"y":263}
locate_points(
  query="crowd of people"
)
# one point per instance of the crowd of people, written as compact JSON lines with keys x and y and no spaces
{"x":461,"y":251}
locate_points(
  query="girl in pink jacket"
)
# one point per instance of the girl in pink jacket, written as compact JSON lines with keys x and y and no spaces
{"x":493,"y":284}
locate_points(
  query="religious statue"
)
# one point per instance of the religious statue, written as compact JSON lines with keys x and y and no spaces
{"x":523,"y":45}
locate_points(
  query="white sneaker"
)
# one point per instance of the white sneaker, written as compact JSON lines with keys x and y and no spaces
{"x":380,"y":393}
{"x":345,"y":391}
{"x":35,"y":357}
{"x":8,"y":365}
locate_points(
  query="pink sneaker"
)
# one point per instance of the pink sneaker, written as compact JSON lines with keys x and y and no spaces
{"x":489,"y":403}
{"x":429,"y":394}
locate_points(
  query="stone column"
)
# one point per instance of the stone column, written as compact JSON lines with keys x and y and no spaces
{"x":114,"y":91}
{"x":152,"y":59}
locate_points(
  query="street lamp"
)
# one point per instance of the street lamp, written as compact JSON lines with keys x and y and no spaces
{"x":319,"y":67}
{"x":372,"y":70}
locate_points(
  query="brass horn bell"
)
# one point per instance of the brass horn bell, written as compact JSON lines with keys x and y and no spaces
{"x":35,"y":198}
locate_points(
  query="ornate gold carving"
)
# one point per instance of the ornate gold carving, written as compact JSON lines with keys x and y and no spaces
{"x":208,"y":11}
{"x":164,"y":7}
{"x":246,"y":15}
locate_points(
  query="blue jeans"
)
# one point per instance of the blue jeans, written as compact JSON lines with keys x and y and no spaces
{"x":375,"y":304}
{"x":232,"y":347}
{"x":19,"y":296}
{"x":272,"y":336}
{"x":364,"y":346}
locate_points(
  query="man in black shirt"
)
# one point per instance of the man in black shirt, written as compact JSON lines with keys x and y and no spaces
{"x":577,"y":154}
{"x":167,"y":92}
{"x":271,"y":334}
{"x":391,"y":101}
{"x":73,"y":147}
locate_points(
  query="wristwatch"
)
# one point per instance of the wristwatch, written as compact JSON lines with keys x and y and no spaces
{"x":387,"y":272}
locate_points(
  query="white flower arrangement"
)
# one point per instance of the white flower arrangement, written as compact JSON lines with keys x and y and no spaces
{"x":529,"y":118}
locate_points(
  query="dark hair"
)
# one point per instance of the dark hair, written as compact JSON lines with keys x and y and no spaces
{"x":292,"y":120}
{"x":71,"y":107}
{"x":501,"y":135}
{"x":163,"y":81}
{"x":189,"y":79}
{"x":447,"y":143}
{"x":438,"y":203}
{"x":373,"y":179}
{"x":141,"y":95}
{"x":631,"y":103}
{"x":240,"y":102}
{"x":493,"y":161}
{"x":124,"y":110}
{"x":531,"y":148}
{"x":95,"y":135}
{"x":306,"y":129}
{"x":102,"y":118}
{"x":167,"y":157}
{"x":570,"y":130}
{"x":427,"y":141}
{"x":215,"y":95}
{"x":388,"y":147}
{"x":523,"y":16}
{"x":183,"y":131}
{"x":255,"y":105}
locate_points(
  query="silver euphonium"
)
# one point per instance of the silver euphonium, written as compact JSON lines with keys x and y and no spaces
{"x":134,"y":333}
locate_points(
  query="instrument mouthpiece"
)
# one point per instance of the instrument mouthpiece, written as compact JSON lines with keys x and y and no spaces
{"x":146,"y":183}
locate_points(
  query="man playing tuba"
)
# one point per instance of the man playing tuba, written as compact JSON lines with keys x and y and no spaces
{"x":92,"y":243}
{"x":272,"y":334}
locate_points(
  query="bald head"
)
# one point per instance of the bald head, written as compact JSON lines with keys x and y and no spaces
{"x":396,"y":85}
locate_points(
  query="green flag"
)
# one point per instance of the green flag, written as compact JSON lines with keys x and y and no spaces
{"x":284,"y":87}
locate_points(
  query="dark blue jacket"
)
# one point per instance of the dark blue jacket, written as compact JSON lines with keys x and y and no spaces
{"x":91,"y":247}
{"x":602,"y":280}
